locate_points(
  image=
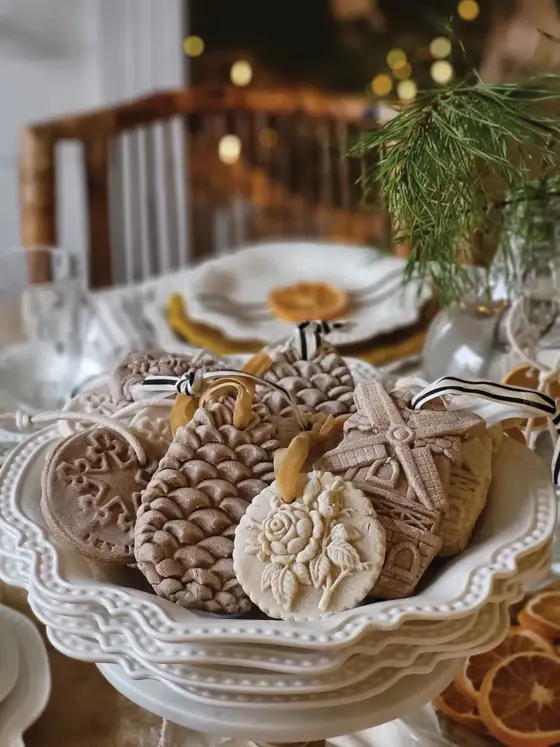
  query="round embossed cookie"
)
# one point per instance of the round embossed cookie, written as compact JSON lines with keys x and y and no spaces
{"x":139,"y":364}
{"x":190,"y":510}
{"x":152,"y":424}
{"x":96,"y":401}
{"x":91,"y":488}
{"x":311,"y":558}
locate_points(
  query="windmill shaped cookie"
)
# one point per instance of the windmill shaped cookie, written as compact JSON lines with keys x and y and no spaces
{"x":389,"y":452}
{"x":190,"y":510}
{"x":321,"y":384}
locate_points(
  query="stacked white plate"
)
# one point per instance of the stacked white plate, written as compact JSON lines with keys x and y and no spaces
{"x":24,"y":676}
{"x":270,"y":680}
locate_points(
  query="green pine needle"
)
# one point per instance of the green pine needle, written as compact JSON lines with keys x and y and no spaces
{"x":443,"y":161}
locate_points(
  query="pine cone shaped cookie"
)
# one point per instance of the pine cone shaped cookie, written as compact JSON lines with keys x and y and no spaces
{"x":190,"y":510}
{"x":139,"y":364}
{"x":322,"y":384}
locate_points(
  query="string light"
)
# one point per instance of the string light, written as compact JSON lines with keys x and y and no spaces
{"x":229,"y":149}
{"x":441,"y":71}
{"x":468,"y":10}
{"x":396,"y":59}
{"x":382,"y":84}
{"x":268,"y":137}
{"x":404,"y":72}
{"x":241,"y":73}
{"x":440,"y":47}
{"x":193,"y":46}
{"x":407,"y":90}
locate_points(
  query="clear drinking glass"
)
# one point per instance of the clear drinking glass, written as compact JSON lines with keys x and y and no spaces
{"x":42,"y":329}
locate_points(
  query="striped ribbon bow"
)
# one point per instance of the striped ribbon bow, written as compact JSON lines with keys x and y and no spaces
{"x":309,"y":336}
{"x":525,"y":402}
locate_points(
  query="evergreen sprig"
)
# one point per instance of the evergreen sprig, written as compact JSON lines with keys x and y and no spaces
{"x":442,"y":163}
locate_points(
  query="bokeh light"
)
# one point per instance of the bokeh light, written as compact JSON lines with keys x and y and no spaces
{"x":407,"y":90}
{"x":268,"y":137}
{"x":382,"y":84}
{"x":404,"y":72}
{"x":441,"y":71}
{"x":241,"y":73}
{"x":440,"y":47}
{"x":468,"y":10}
{"x":396,"y":58}
{"x":193,"y":46}
{"x":229,"y":149}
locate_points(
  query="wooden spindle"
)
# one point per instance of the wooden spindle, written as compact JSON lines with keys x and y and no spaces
{"x":96,"y":158}
{"x":37,"y":192}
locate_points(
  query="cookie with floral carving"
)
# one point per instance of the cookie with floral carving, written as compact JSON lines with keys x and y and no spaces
{"x":314,"y":557}
{"x":91,"y":488}
{"x":141,"y":363}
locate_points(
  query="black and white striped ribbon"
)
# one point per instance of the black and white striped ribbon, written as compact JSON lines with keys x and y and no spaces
{"x":525,"y":402}
{"x":192,"y":383}
{"x":309,"y":336}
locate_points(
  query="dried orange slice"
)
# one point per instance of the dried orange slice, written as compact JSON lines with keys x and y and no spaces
{"x":520,"y":700}
{"x":542,"y":614}
{"x":297,"y":303}
{"x":451,"y":702}
{"x":518,"y":640}
{"x":527,"y":376}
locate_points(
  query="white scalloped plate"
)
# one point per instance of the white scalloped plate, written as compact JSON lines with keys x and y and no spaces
{"x":247,"y":276}
{"x":110,"y":640}
{"x":496,"y":621}
{"x":360,"y":674}
{"x":28,"y":698}
{"x":519,"y":518}
{"x":310,"y":724}
{"x":9,"y":659}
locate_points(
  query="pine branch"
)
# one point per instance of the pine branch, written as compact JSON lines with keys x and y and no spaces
{"x":444,"y":160}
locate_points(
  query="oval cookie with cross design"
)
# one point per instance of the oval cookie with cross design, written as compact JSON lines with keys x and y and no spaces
{"x":314,"y":557}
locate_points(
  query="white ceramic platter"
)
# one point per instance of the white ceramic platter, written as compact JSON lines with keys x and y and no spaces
{"x":519,"y":519}
{"x":406,"y":696}
{"x":9,"y":659}
{"x":28,"y":698}
{"x":230,"y":292}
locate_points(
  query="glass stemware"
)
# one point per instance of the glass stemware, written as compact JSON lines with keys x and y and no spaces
{"x":42,"y":331}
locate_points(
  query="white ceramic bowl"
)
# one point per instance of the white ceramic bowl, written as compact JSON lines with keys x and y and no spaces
{"x":519,"y":519}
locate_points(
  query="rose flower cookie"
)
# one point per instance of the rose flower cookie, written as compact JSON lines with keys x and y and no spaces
{"x":184,"y":532}
{"x":315,"y":556}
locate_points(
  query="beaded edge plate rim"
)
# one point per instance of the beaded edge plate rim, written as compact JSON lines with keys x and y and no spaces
{"x":154,"y":615}
{"x":177,"y":658}
{"x":472,"y":636}
{"x":490,"y":627}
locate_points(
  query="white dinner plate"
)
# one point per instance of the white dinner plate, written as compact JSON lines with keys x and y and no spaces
{"x":230,"y":292}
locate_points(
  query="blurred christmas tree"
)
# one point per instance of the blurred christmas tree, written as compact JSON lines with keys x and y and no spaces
{"x":337,"y":44}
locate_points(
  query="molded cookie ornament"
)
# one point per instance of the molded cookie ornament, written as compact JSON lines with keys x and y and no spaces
{"x":91,"y":492}
{"x":316,"y":556}
{"x":191,"y":508}
{"x":140,"y":364}
{"x":389,"y":452}
{"x":312,"y":371}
